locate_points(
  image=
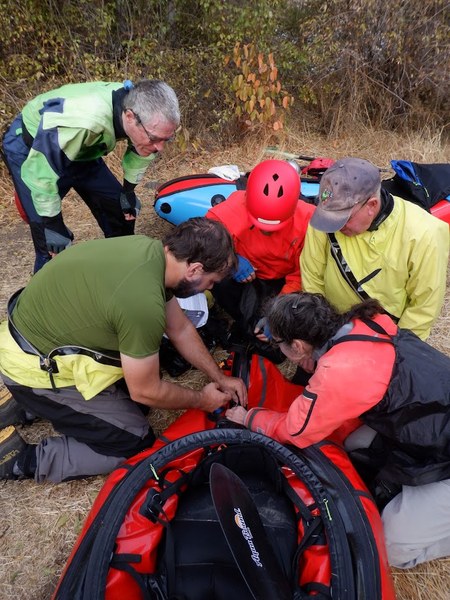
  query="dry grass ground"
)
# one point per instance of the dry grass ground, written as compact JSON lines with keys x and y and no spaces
{"x":40,"y":523}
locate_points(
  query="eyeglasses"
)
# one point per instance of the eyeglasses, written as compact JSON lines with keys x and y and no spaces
{"x":357,"y":211}
{"x":153,"y":139}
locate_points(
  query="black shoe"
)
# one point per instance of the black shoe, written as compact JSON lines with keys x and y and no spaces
{"x":12,"y":447}
{"x":10,"y":411}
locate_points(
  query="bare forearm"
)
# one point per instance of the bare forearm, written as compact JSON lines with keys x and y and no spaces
{"x":146,"y":386}
{"x":192,"y":348}
{"x":168,"y":395}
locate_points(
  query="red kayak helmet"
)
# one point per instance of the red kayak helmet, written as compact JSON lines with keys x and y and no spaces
{"x":273,"y":190}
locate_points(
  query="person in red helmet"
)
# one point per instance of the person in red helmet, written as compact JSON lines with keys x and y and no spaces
{"x":268,"y":223}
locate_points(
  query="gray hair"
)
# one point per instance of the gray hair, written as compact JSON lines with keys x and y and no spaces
{"x":152,"y":97}
{"x":377,"y":191}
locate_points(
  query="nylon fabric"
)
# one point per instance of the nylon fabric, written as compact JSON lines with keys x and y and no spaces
{"x":345,"y":384}
{"x":423,"y":184}
{"x":96,"y":436}
{"x":74,"y":123}
{"x":57,"y":143}
{"x":409,"y":251}
{"x":273,"y":256}
{"x":89,"y":376}
{"x":414,"y":415}
{"x":123,"y":310}
{"x":324,"y":560}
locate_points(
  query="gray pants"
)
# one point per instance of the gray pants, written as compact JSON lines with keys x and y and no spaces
{"x":417,"y":524}
{"x":417,"y":521}
{"x":97,"y":435}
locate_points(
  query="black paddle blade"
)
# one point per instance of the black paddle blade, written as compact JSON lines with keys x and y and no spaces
{"x":242,"y":527}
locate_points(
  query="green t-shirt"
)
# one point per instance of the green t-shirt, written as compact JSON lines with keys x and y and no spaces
{"x":103,"y":294}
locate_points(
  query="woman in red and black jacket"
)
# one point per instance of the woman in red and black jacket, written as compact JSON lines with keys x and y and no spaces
{"x":398,"y":386}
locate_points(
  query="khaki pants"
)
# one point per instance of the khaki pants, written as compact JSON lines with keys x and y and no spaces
{"x":417,"y":524}
{"x":417,"y":521}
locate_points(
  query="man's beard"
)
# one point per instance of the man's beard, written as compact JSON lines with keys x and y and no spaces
{"x":186,"y":288}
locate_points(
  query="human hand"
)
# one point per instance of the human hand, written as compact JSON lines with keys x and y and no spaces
{"x":237,"y":414}
{"x":234,"y":386}
{"x":245,"y":271}
{"x":262,"y":330}
{"x":130,"y":205}
{"x":212,"y":397}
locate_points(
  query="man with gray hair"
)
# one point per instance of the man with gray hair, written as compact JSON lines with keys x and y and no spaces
{"x":57,"y":142}
{"x":363,"y":242}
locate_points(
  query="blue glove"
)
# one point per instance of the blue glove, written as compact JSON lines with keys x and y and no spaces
{"x":244,"y":269}
{"x":263,"y":327}
{"x":130,"y":204}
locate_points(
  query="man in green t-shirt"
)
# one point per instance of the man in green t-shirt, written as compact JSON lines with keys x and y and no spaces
{"x":57,"y":143}
{"x":81,"y":348}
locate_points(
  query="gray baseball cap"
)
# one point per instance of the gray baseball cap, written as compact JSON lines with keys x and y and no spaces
{"x":343,"y":185}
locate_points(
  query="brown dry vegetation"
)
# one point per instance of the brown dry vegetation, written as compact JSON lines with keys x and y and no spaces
{"x":40,"y":523}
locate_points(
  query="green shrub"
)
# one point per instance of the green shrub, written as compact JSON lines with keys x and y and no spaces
{"x":380,"y":63}
{"x":383,"y":62}
{"x":259,"y":97}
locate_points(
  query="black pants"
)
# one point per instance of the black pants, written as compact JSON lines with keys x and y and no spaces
{"x":244,"y":302}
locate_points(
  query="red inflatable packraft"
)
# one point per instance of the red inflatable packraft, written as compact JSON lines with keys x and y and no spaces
{"x":153,"y":532}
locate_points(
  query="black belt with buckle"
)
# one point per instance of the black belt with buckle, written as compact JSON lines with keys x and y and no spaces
{"x":47,"y":362}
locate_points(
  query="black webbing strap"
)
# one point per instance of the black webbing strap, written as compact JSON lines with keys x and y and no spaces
{"x":313,"y":535}
{"x":46,"y":361}
{"x":315,"y":590}
{"x":346,"y":272}
{"x":121,"y":562}
{"x":46,"y":364}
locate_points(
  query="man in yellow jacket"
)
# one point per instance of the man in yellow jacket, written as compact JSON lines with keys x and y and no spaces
{"x":363,"y":242}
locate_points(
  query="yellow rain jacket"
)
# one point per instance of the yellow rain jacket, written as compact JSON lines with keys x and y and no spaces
{"x":410,"y":251}
{"x":89,"y":376}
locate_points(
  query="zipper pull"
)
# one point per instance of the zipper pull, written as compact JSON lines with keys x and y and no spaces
{"x":325,"y":501}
